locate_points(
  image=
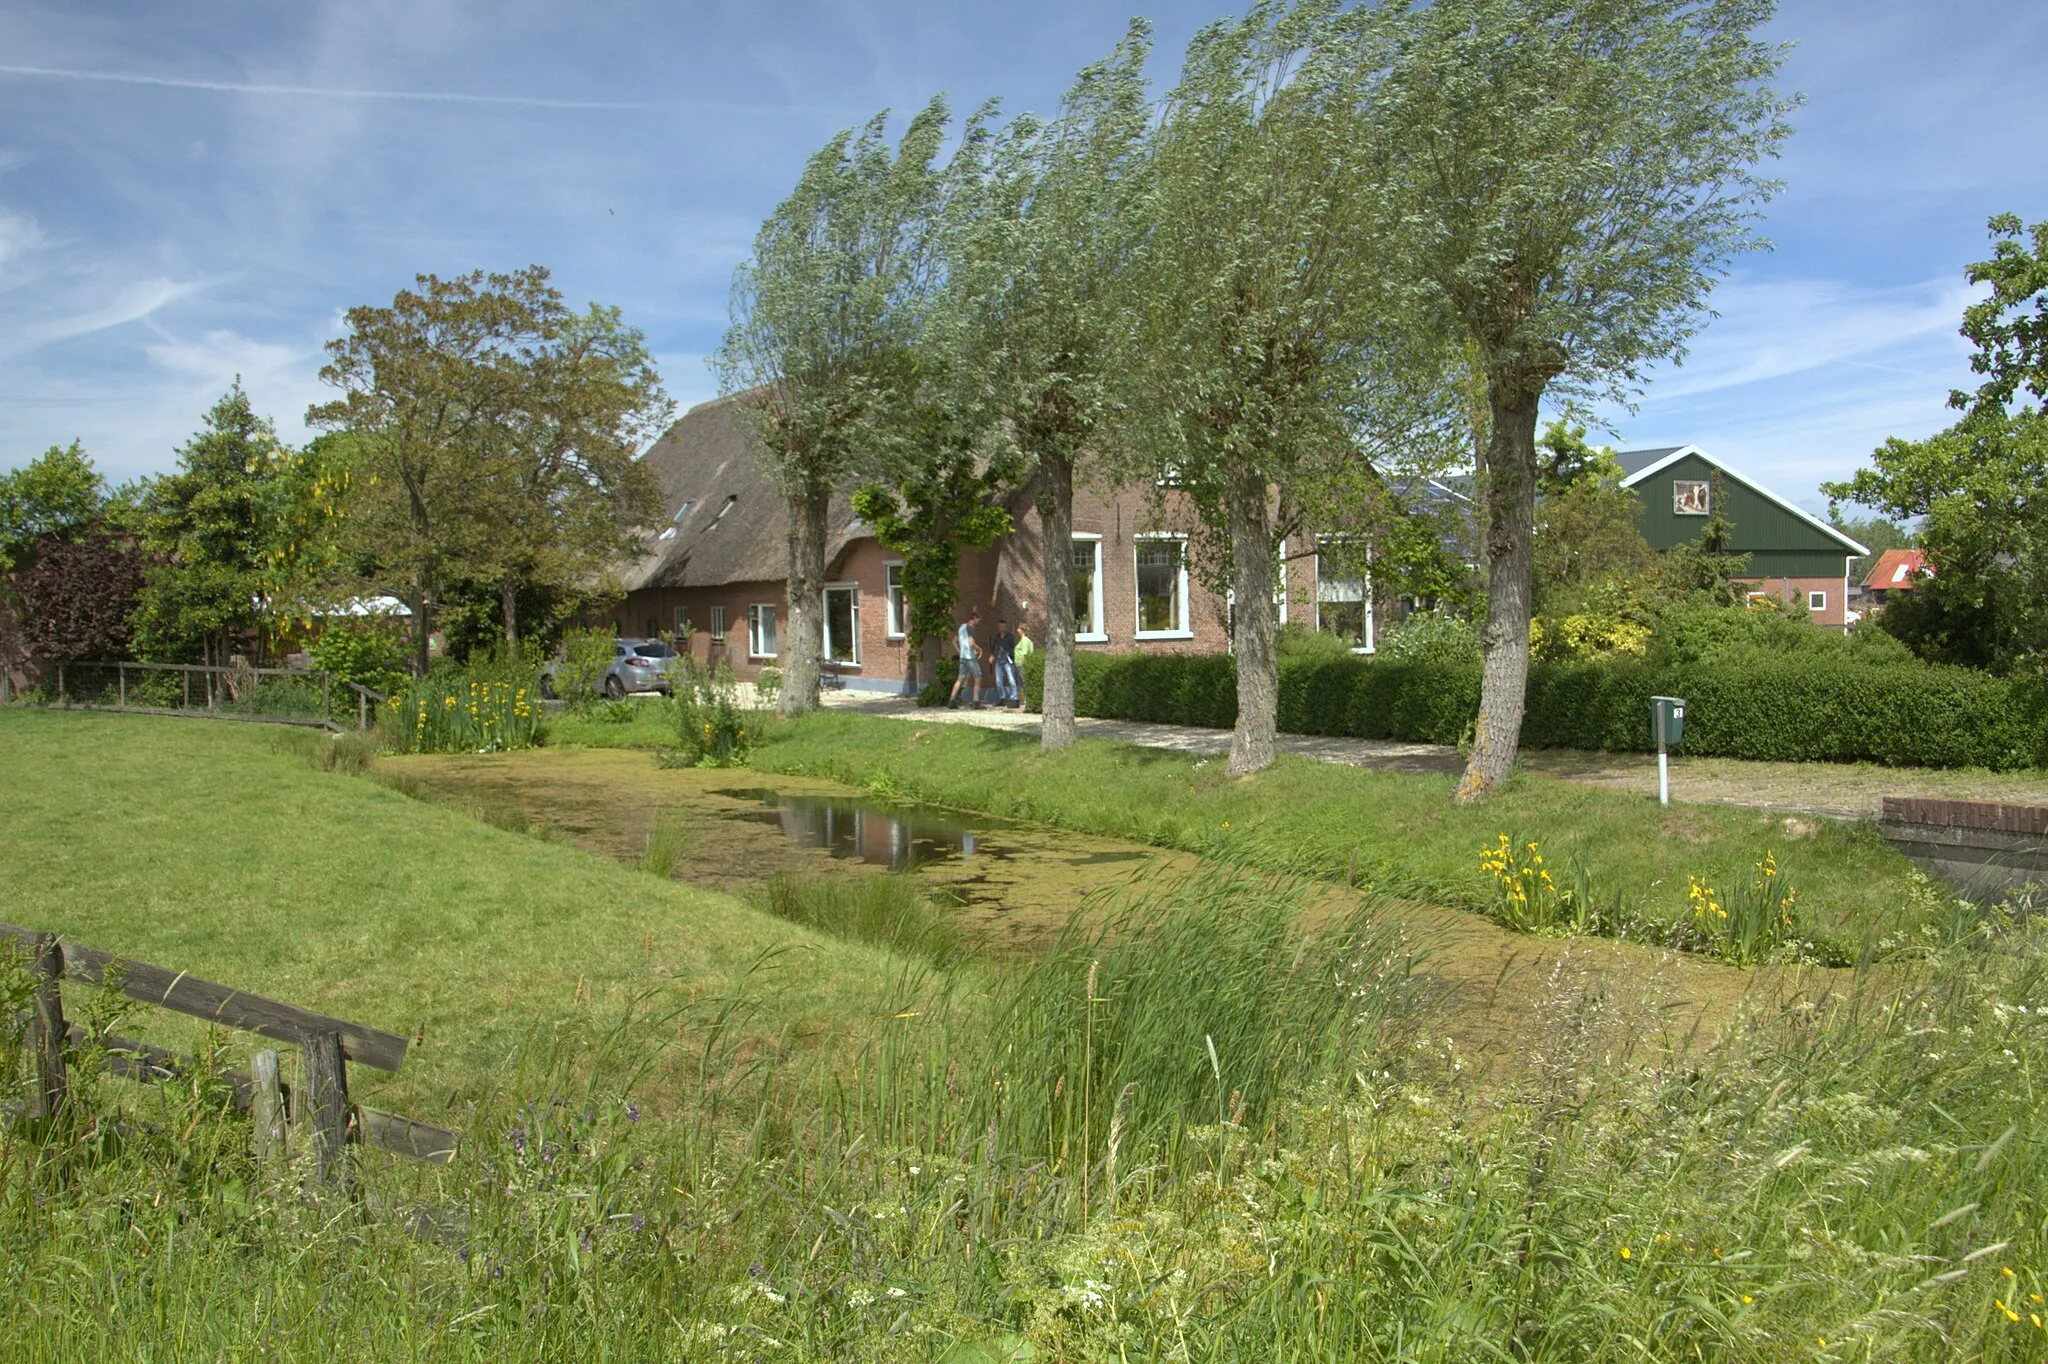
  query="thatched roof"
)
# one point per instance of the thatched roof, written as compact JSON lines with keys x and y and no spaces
{"x":725,"y":522}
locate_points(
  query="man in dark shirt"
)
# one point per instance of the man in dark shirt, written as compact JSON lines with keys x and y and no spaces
{"x":1004,"y":647}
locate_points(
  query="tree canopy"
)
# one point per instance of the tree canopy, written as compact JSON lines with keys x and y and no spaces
{"x":825,"y":314}
{"x":1579,"y":173}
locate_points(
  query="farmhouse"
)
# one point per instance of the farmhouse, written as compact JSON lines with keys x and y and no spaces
{"x":1793,"y":555}
{"x":714,"y":574}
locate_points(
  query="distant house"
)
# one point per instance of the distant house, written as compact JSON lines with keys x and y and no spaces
{"x":1896,"y":571}
{"x":1793,"y":555}
{"x":715,"y":573}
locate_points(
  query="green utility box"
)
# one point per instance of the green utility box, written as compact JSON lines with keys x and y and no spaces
{"x":1667,"y":720}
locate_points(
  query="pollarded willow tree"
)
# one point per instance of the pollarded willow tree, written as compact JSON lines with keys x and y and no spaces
{"x":1036,"y":306}
{"x":824,"y":318}
{"x":1578,"y":173}
{"x":1276,"y":366}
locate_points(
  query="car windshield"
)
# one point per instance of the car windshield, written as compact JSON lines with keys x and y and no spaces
{"x":653,"y":649}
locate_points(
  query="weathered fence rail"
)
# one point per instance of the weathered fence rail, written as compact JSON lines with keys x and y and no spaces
{"x":232,"y":691}
{"x":321,"y":1110}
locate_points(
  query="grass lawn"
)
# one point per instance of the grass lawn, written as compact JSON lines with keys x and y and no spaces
{"x":1167,"y":1138}
{"x":202,"y":848}
{"x":1398,"y":831}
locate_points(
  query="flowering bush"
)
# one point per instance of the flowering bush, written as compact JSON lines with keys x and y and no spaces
{"x":1747,"y":927}
{"x":711,"y":729}
{"x":486,"y":707}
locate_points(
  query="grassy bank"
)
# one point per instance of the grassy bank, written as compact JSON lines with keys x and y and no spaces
{"x":1188,"y":1132}
{"x":204,"y":848}
{"x":1394,"y":831}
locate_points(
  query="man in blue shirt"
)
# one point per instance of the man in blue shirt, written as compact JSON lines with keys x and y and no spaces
{"x":969,"y":675}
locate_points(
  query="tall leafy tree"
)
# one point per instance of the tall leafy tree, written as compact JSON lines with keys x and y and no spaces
{"x":1037,"y":305}
{"x":1274,"y":366}
{"x":212,"y":530}
{"x":428,"y":386}
{"x":566,"y":489}
{"x":824,"y":315}
{"x":59,"y":494}
{"x":1578,"y":175}
{"x":1981,"y":486}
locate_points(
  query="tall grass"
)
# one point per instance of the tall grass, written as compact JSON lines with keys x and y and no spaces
{"x":668,"y":844}
{"x":1221,"y":1141}
{"x":893,"y":910}
{"x":486,"y":706}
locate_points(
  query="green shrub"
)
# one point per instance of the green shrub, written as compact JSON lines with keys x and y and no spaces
{"x":586,"y":657}
{"x":939,"y":690}
{"x":1823,"y":705}
{"x":711,"y":730}
{"x":1431,"y":637}
{"x":365,"y":653}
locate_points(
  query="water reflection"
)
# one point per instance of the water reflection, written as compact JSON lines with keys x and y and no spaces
{"x":887,"y":837}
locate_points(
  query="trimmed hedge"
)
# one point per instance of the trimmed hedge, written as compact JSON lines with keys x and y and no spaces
{"x":1780,"y":707}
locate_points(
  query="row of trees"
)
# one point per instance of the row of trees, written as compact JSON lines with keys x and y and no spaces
{"x":483,"y":443}
{"x":1347,"y":239}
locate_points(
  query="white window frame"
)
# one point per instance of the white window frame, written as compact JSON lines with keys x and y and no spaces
{"x":1706,"y":487}
{"x":1816,"y":601}
{"x":684,"y":626}
{"x":825,"y":623}
{"x":754,"y":615}
{"x":897,"y":618}
{"x":717,"y":625}
{"x":1371,"y":644}
{"x":1180,"y":588}
{"x":1100,"y":634}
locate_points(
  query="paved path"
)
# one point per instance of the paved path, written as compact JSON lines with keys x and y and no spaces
{"x":1836,"y":790}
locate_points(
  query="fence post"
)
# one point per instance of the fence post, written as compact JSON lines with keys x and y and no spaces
{"x":327,"y":1110}
{"x":266,"y":1107}
{"x":327,"y":698}
{"x":61,"y":700}
{"x":121,"y":684}
{"x":47,"y":1025}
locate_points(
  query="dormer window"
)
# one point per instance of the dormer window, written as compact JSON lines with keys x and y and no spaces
{"x":682,"y":512}
{"x":667,"y":533}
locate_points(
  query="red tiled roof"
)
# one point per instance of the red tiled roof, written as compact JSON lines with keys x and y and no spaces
{"x":1896,"y":569}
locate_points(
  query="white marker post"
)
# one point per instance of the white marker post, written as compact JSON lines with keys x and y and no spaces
{"x":1667,"y":719}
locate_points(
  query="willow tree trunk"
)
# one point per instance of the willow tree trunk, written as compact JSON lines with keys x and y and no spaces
{"x":1252,"y":624}
{"x":508,"y":598}
{"x":805,"y":641}
{"x":1509,"y":479}
{"x":1056,"y":522}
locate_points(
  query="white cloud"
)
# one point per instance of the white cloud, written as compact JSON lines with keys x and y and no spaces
{"x":1771,"y":330}
{"x":19,"y":235}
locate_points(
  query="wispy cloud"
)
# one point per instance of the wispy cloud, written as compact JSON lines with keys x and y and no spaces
{"x":329,"y":92}
{"x":1774,"y":329}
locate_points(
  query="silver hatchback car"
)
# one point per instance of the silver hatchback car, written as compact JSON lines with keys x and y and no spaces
{"x":637,"y":665}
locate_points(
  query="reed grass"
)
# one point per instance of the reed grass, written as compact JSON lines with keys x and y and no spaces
{"x":668,"y":845}
{"x":895,"y":910}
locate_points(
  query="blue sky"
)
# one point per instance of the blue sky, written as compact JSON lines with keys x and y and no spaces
{"x":192,"y":191}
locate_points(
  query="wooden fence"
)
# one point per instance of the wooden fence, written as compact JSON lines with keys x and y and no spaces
{"x":214,"y":691}
{"x":322,"y":1113}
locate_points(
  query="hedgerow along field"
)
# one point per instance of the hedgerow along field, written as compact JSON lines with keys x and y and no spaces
{"x":1184,"y":1133}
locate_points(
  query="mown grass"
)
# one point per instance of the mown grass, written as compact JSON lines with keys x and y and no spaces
{"x":1392,"y":831}
{"x":1191,"y":1131}
{"x":198,"y":847}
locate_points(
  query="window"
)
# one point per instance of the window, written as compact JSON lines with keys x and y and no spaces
{"x":761,"y":631}
{"x":842,"y":624}
{"x":653,"y":627}
{"x":1816,"y":601}
{"x":718,"y":625}
{"x":1690,"y":497}
{"x":1344,"y":593}
{"x":898,"y":617}
{"x":1088,"y":589}
{"x":682,"y":625}
{"x":1162,"y":586}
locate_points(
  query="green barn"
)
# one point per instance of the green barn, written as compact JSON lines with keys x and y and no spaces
{"x":1793,"y":555}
